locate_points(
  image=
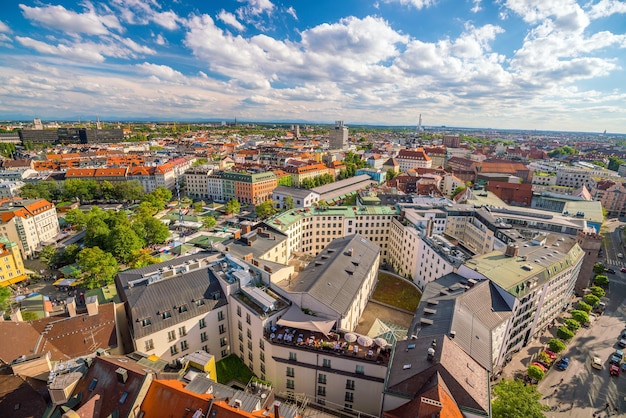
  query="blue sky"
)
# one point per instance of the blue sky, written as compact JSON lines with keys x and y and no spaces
{"x":526,"y":64}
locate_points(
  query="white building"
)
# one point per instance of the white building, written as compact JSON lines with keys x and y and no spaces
{"x":30,"y":223}
{"x":302,"y":198}
{"x":10,"y":189}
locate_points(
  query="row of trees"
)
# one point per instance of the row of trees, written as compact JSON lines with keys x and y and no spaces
{"x":317,"y":181}
{"x":84,"y":190}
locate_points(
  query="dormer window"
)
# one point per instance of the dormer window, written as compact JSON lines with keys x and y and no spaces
{"x":166,"y":314}
{"x":145,"y":322}
{"x":182,"y":308}
{"x":200,"y":302}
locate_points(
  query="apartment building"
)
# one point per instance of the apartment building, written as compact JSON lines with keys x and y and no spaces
{"x":215,"y":187}
{"x":612,"y":195}
{"x":302,"y":198}
{"x":298,"y":174}
{"x":533,"y":278}
{"x":29,"y":223}
{"x":413,"y":158}
{"x":10,"y":189}
{"x":12,"y":267}
{"x":248,"y":188}
{"x":144,"y":175}
{"x":197,"y":181}
{"x":581,"y":176}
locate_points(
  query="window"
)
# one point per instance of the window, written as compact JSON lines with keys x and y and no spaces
{"x":249,"y":345}
{"x":205,"y":348}
{"x":149,"y":345}
{"x":292,"y":356}
{"x":166,"y":315}
{"x":224,"y":353}
{"x":222,"y":328}
{"x":249,"y":333}
{"x":240,"y":337}
{"x":173,"y":350}
{"x":360,"y":369}
{"x":202,"y":323}
{"x":349,"y":397}
{"x":93,"y":384}
{"x":290,"y":384}
{"x":262,"y":344}
{"x":182,"y":331}
{"x":238,"y":310}
{"x":123,"y":398}
{"x":248,"y":321}
{"x":350,"y":384}
{"x":326,"y":362}
{"x":262,"y":356}
{"x":250,"y":358}
{"x":220,"y":315}
{"x":239,"y":325}
{"x":184,"y":346}
{"x":199,"y":302}
{"x":203,"y":337}
{"x":321,"y":378}
{"x":321,"y":391}
{"x":222,"y":341}
{"x":290,"y":372}
{"x":171,"y":335}
{"x":241,"y":349}
{"x":182,"y":308}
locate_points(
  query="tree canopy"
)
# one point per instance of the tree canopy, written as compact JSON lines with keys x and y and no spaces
{"x":98,"y":268}
{"x":232,"y":206}
{"x":266,"y":209}
{"x":514,"y":399}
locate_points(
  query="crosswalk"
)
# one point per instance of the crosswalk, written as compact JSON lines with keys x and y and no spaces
{"x":614,"y":263}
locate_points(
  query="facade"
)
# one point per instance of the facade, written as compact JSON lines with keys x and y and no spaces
{"x":214,"y":184}
{"x":298,"y":174}
{"x":612,"y":195}
{"x":581,"y":176}
{"x":12,"y":270}
{"x":197,"y":181}
{"x":411,"y":159}
{"x":338,"y":136}
{"x":248,"y":188}
{"x":29,"y":223}
{"x":302,"y":198}
{"x":10,"y":189}
{"x":451,"y":141}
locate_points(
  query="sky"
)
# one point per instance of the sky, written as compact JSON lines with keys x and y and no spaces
{"x":508,"y":64}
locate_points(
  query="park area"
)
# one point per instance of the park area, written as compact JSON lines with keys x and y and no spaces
{"x":395,"y":291}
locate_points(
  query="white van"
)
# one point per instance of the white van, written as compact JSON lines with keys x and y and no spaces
{"x":620,"y":255}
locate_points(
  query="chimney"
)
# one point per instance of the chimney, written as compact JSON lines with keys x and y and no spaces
{"x":92,"y":305}
{"x":16,"y":315}
{"x":512,"y":250}
{"x":245,"y":228}
{"x":276,"y":409}
{"x":350,"y":252}
{"x":70,"y":303}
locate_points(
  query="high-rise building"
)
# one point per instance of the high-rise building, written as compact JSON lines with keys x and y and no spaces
{"x":338,"y":137}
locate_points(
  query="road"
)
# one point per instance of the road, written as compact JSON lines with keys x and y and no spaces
{"x":585,"y":391}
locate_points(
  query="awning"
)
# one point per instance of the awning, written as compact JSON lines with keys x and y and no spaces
{"x":295,"y":318}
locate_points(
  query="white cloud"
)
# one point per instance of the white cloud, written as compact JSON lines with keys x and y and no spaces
{"x":476,"y":6}
{"x":162,"y":72}
{"x":168,"y":20}
{"x":230,"y":20}
{"x":4,"y":27}
{"x":535,"y":11}
{"x":418,"y":4}
{"x":59,"y":18}
{"x":76,"y":52}
{"x":606,"y":8}
{"x":159,"y":39}
{"x":255,"y":8}
{"x":292,"y":12}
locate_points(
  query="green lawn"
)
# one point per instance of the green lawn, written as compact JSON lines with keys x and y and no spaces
{"x":232,"y":368}
{"x":396,"y":292}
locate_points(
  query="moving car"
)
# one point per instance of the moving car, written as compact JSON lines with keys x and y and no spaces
{"x":596,"y":362}
{"x":620,"y":255}
{"x":617,"y":357}
{"x":610,"y":271}
{"x":562,"y":364}
{"x":623,"y":270}
{"x":614,"y":370}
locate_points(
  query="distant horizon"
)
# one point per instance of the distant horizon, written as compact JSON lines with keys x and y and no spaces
{"x":300,"y":122}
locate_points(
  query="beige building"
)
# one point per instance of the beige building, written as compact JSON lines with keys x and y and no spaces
{"x":29,"y":223}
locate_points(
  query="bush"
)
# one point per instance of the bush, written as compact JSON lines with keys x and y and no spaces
{"x":597,"y":291}
{"x":535,"y":372}
{"x":591,"y":299}
{"x":564,"y":333}
{"x":543,"y":357}
{"x":582,"y":306}
{"x":572,"y":324}
{"x":580,"y":316}
{"x":556,"y":345}
{"x":601,"y":280}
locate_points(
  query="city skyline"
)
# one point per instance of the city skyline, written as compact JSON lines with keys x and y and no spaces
{"x":509,"y":64}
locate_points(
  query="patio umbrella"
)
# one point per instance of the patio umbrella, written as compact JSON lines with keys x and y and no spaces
{"x":364,"y":340}
{"x":381,"y":342}
{"x":349,"y":337}
{"x":20,"y":298}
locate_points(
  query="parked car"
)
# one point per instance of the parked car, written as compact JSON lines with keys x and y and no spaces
{"x":622,"y":343}
{"x":620,"y":255}
{"x":614,"y":370}
{"x":610,"y":271}
{"x":623,"y":269}
{"x":596,"y":362}
{"x":562,"y":364}
{"x":541,"y":366}
{"x":551,"y":354}
{"x":617,"y":357}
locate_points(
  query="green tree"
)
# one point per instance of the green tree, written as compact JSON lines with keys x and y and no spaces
{"x":266,"y":209}
{"x":535,"y":372}
{"x":142,"y":258}
{"x":458,"y":190}
{"x":582,"y":306}
{"x":98,"y":267}
{"x":597,"y":291}
{"x":48,"y":254}
{"x":614,"y":163}
{"x":159,"y":197}
{"x":232,"y":207}
{"x":564,"y":333}
{"x":145,"y":210}
{"x":599,"y":268}
{"x":107,"y":190}
{"x":5,"y":300}
{"x":512,"y":398}
{"x":123,"y":241}
{"x":591,"y":299}
{"x":198,"y":207}
{"x":580,"y":316}
{"x":97,"y":233}
{"x":544,"y":357}
{"x":68,"y":256}
{"x":556,"y":345}
{"x":77,"y":218}
{"x":288,"y":203}
{"x":572,"y":324}
{"x":208,"y":222}
{"x":390,"y":175}
{"x":156,"y":231}
{"x":128,"y":191}
{"x":601,"y":280}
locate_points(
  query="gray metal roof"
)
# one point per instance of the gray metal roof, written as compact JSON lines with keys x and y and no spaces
{"x":334,"y":277}
{"x":472,"y":311}
{"x":184,"y":296}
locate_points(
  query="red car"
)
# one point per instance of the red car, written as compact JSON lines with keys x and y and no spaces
{"x":550,"y":354}
{"x":614,"y":370}
{"x":542,"y":367}
{"x":623,"y":270}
